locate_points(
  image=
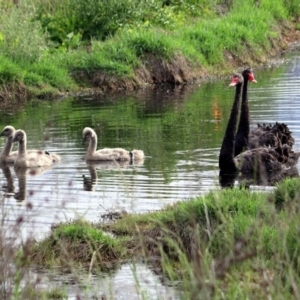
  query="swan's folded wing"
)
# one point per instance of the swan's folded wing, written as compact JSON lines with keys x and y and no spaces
{"x":37,"y":159}
{"x":112,"y":154}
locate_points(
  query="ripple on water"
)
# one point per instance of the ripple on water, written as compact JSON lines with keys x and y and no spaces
{"x":180,"y":129}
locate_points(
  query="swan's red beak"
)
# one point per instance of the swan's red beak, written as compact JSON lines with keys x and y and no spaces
{"x":234,"y":81}
{"x":251,"y":77}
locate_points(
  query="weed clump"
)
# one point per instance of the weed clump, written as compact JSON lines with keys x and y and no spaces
{"x":21,"y":38}
{"x":287,"y":194}
{"x":78,"y":242}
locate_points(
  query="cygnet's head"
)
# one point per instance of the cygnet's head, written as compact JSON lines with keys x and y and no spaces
{"x":19,"y":136}
{"x":87,"y":133}
{"x":8,"y":131}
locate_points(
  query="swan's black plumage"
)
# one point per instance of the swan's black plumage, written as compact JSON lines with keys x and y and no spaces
{"x":242,"y":135}
{"x":265,"y":165}
{"x":277,"y":136}
{"x":262,"y":136}
{"x":270,"y":136}
{"x":226,"y":158}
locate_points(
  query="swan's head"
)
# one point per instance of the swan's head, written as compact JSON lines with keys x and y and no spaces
{"x":248,"y":74}
{"x":87,"y":133}
{"x":236,"y":79}
{"x":8,"y":131}
{"x":19,"y":136}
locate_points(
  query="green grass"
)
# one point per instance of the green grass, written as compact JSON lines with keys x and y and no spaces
{"x":78,"y":242}
{"x":229,"y":243}
{"x":287,"y":193}
{"x":9,"y":71}
{"x":152,"y":31}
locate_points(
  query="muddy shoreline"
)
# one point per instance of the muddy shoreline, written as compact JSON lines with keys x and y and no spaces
{"x":156,"y":71}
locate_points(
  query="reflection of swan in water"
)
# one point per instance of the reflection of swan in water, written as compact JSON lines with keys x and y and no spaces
{"x":90,"y":183}
{"x":22,"y":174}
{"x":270,"y":179}
{"x":8,"y":188}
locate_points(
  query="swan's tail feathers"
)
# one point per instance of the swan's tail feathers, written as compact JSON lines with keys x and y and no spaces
{"x":138,"y":155}
{"x":55,"y":158}
{"x":293,"y":159}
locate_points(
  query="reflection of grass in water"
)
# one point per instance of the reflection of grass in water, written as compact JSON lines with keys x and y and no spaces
{"x":229,"y":242}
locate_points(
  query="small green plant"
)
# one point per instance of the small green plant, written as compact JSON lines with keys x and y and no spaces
{"x":293,"y":8}
{"x":150,"y":42}
{"x":287,"y":194}
{"x":52,"y":73}
{"x":89,"y":19}
{"x":9,"y":71}
{"x":21,"y":37}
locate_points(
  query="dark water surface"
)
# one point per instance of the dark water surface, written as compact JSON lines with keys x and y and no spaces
{"x":180,"y":130}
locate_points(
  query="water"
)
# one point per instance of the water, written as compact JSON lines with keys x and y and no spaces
{"x":131,"y":281}
{"x":180,"y":130}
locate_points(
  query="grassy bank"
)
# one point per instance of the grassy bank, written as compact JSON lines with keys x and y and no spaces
{"x":51,"y":48}
{"x":229,"y":244}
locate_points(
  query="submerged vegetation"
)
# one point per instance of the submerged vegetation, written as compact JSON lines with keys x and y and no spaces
{"x":229,"y":244}
{"x":52,"y":47}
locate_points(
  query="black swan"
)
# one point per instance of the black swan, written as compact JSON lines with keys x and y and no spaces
{"x":259,"y":164}
{"x":242,"y":135}
{"x":262,"y":136}
{"x":270,"y":136}
{"x":226,"y":158}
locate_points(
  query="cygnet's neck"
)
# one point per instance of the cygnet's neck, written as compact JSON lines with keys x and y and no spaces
{"x":7,"y":147}
{"x":22,"y":148}
{"x":93,"y":144}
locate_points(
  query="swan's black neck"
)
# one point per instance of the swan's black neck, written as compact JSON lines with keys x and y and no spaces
{"x":242,"y":136}
{"x":226,"y":158}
